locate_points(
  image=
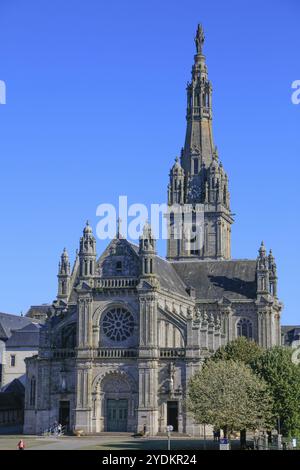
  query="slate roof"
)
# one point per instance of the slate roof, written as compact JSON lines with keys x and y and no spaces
{"x":10,"y":322}
{"x":290,"y":333}
{"x":28,"y":336}
{"x":38,"y":312}
{"x":16,"y":387}
{"x":212,"y":280}
{"x":168,"y":277}
{"x":288,"y":328}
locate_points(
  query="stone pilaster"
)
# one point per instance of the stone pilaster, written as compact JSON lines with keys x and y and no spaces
{"x":84,"y":409}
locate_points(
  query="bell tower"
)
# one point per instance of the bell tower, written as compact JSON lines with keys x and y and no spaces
{"x":198,"y":184}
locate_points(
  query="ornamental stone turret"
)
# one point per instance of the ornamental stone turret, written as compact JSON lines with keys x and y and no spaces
{"x":262,"y":270}
{"x":272,"y":275}
{"x":87,"y":253}
{"x":176,"y":185}
{"x":64,"y":276}
{"x":147,"y":252}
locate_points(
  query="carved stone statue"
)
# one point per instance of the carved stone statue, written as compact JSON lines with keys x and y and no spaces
{"x":204,"y":316}
{"x":171,"y":380}
{"x":199,"y":39}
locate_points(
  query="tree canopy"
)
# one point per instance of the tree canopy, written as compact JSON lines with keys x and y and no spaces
{"x":275,"y":366}
{"x":240,"y":349}
{"x":280,"y":374}
{"x":228,"y":395}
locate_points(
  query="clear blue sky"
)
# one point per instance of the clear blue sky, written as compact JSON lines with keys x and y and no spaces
{"x":96,"y":108}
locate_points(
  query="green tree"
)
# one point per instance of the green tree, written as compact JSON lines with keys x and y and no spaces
{"x":228,"y":395}
{"x":241,"y":349}
{"x":275,"y":366}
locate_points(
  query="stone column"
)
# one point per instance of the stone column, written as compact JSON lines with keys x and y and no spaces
{"x":180,"y":417}
{"x":83,"y":411}
{"x":219,"y":238}
{"x":84,"y":322}
{"x":148,"y":399}
{"x":262,"y":339}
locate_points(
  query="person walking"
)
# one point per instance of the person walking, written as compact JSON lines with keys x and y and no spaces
{"x":21,"y":445}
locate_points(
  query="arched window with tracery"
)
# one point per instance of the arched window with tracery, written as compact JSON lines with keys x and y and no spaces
{"x":244,"y":328}
{"x":117,"y":324}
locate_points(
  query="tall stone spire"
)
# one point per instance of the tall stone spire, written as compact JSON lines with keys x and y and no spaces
{"x":199,"y":178}
{"x":199,"y":147}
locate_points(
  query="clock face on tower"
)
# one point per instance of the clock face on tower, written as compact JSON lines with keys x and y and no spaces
{"x":118,"y":324}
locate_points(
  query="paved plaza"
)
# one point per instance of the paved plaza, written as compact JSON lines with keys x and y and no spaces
{"x":125,"y":442}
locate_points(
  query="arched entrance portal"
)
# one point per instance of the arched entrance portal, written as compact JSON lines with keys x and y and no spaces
{"x":115,"y":403}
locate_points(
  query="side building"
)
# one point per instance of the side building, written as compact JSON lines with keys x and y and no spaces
{"x":19,"y":339}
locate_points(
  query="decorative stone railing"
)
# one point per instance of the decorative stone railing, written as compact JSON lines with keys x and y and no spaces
{"x":62,"y":353}
{"x":171,"y":352}
{"x":116,"y":283}
{"x":112,"y":353}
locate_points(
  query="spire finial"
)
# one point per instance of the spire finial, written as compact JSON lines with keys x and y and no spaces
{"x":64,"y":253}
{"x":119,"y":222}
{"x":262,"y":250}
{"x":199,"y":39}
{"x":87,"y":229}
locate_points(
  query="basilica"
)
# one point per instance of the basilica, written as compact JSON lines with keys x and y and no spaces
{"x":129,"y":328}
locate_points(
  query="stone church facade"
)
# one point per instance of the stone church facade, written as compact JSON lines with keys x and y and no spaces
{"x":129,"y":329}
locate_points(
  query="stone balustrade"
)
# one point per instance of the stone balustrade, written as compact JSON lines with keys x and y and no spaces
{"x":116,"y":283}
{"x":62,"y":353}
{"x":111,"y":353}
{"x":172,"y":353}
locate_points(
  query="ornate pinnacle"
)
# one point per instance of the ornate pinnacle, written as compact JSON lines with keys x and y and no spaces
{"x":119,"y":222}
{"x":199,"y":39}
{"x":262,"y":250}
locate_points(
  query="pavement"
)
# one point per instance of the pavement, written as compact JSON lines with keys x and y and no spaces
{"x":107,"y":442}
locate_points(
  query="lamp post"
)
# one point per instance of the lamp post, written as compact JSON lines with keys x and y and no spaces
{"x":169,"y":430}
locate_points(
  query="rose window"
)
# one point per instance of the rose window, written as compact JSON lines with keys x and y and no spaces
{"x":118,"y":324}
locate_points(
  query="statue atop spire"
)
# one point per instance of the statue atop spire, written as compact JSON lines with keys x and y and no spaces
{"x":199,"y":39}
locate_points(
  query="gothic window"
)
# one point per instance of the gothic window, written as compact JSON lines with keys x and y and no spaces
{"x":119,"y":266}
{"x":118,"y":324}
{"x":196,"y":168}
{"x":63,"y":288}
{"x":171,"y":218}
{"x":244,"y":328}
{"x":32,"y":391}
